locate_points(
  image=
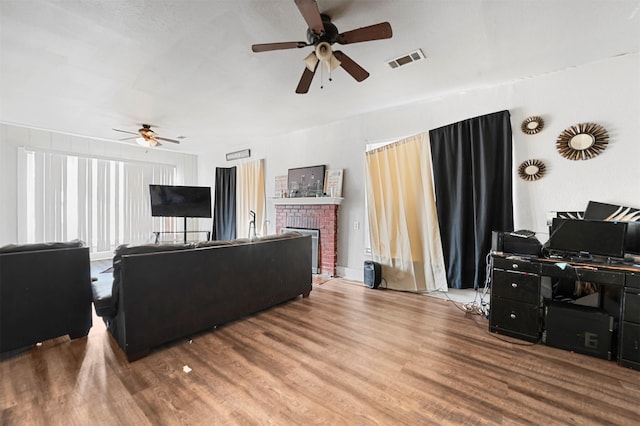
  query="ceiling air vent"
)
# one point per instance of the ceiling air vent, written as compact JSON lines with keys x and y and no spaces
{"x":409,"y":58}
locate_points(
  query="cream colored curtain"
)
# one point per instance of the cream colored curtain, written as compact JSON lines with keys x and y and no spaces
{"x":403,"y":223}
{"x":250,"y":197}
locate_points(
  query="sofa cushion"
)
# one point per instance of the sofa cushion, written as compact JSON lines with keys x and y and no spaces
{"x":283,"y":236}
{"x":126,"y":249}
{"x":106,"y":294}
{"x":240,"y":241}
{"x":214,"y":243}
{"x":101,"y":287}
{"x":16,"y":248}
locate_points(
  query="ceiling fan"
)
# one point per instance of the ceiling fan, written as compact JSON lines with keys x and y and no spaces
{"x":146,"y":137}
{"x":322,"y":34}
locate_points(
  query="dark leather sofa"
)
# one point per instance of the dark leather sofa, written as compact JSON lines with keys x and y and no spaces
{"x":164,"y":292}
{"x":45,"y":292}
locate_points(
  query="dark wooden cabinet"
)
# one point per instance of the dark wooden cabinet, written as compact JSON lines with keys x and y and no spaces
{"x":515,"y":299}
{"x":629,"y":353}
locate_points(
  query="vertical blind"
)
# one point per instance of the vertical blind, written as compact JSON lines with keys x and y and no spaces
{"x":103,"y":202}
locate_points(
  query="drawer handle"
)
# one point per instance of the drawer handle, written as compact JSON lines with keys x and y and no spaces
{"x":514,"y":266}
{"x":514,"y":285}
{"x":512,"y":315}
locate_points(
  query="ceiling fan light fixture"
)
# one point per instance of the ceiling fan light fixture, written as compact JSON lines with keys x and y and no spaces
{"x":143,"y":142}
{"x":311,"y":61}
{"x":323,"y":51}
{"x":325,"y":54}
{"x":333,"y":63}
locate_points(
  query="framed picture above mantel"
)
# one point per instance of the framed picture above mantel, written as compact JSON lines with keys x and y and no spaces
{"x":306,"y":181}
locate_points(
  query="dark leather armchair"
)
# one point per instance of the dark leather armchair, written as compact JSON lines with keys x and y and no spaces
{"x":45,"y":292}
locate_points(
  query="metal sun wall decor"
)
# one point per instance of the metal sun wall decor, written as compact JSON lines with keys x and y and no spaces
{"x":582,"y":141}
{"x":532,"y":125}
{"x":531,"y":170}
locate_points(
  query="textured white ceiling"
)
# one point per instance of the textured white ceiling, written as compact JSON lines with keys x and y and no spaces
{"x":86,"y":66}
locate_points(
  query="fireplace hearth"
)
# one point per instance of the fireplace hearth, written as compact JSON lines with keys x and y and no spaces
{"x":311,"y":215}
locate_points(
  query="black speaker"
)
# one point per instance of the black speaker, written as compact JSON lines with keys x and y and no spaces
{"x":372,"y":274}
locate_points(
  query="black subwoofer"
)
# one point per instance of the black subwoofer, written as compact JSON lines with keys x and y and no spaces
{"x":372,"y":274}
{"x":583,"y":329}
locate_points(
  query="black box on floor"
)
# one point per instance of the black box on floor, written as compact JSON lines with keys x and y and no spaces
{"x":583,"y":329}
{"x":372,"y":274}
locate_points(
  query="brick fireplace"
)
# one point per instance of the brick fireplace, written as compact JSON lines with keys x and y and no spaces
{"x":313,"y":213}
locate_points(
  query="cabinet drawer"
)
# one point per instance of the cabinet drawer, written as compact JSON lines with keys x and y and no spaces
{"x":582,"y":273}
{"x":631,"y":310}
{"x":522,"y":287}
{"x":516,"y":264}
{"x":630,"y":342}
{"x":515,"y":319}
{"x":633,"y":280}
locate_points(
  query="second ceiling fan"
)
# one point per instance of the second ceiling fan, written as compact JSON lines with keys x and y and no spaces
{"x":322,"y":34}
{"x":146,"y":137}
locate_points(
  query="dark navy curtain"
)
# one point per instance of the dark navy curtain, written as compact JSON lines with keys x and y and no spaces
{"x":472,"y":171}
{"x":224,"y":207}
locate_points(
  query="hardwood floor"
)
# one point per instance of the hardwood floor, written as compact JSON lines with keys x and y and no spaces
{"x":345,"y":355}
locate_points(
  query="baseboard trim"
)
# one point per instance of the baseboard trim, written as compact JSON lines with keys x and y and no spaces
{"x":350,"y":274}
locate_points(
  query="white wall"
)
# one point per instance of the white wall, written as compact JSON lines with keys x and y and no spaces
{"x":12,"y":137}
{"x":606,"y":92}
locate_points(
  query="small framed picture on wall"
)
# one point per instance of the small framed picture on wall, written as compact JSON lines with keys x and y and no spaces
{"x":281,"y":187}
{"x":333,"y":182}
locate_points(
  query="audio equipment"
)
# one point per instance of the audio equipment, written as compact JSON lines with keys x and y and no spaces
{"x":372,"y":274}
{"x":519,"y":242}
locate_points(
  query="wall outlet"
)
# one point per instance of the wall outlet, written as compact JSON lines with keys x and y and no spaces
{"x":356,"y":225}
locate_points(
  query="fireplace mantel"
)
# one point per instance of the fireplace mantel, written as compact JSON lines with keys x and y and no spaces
{"x":299,"y":201}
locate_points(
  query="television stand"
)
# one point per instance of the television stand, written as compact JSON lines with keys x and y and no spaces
{"x":158,"y":233}
{"x":184,"y":232}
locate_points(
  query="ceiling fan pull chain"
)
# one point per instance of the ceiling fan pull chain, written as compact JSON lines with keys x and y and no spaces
{"x":321,"y":76}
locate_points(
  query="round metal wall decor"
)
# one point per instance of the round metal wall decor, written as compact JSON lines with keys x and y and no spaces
{"x":531,"y":170}
{"x":582,"y":141}
{"x":532,"y":125}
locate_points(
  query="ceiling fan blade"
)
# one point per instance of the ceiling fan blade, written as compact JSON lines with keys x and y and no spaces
{"x":127,"y":139}
{"x":372,"y":32}
{"x":305,"y":80}
{"x":165,"y":139}
{"x":264,"y":47}
{"x":311,"y":14}
{"x":125,"y":131}
{"x":355,"y":70}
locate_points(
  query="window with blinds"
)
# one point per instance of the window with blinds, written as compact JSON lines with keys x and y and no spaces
{"x":103,"y":202}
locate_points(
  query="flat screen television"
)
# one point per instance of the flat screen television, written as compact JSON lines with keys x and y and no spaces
{"x":180,"y":201}
{"x":574,"y":237}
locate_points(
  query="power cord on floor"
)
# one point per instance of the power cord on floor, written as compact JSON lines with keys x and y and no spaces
{"x":478,"y":307}
{"x":469,"y":307}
